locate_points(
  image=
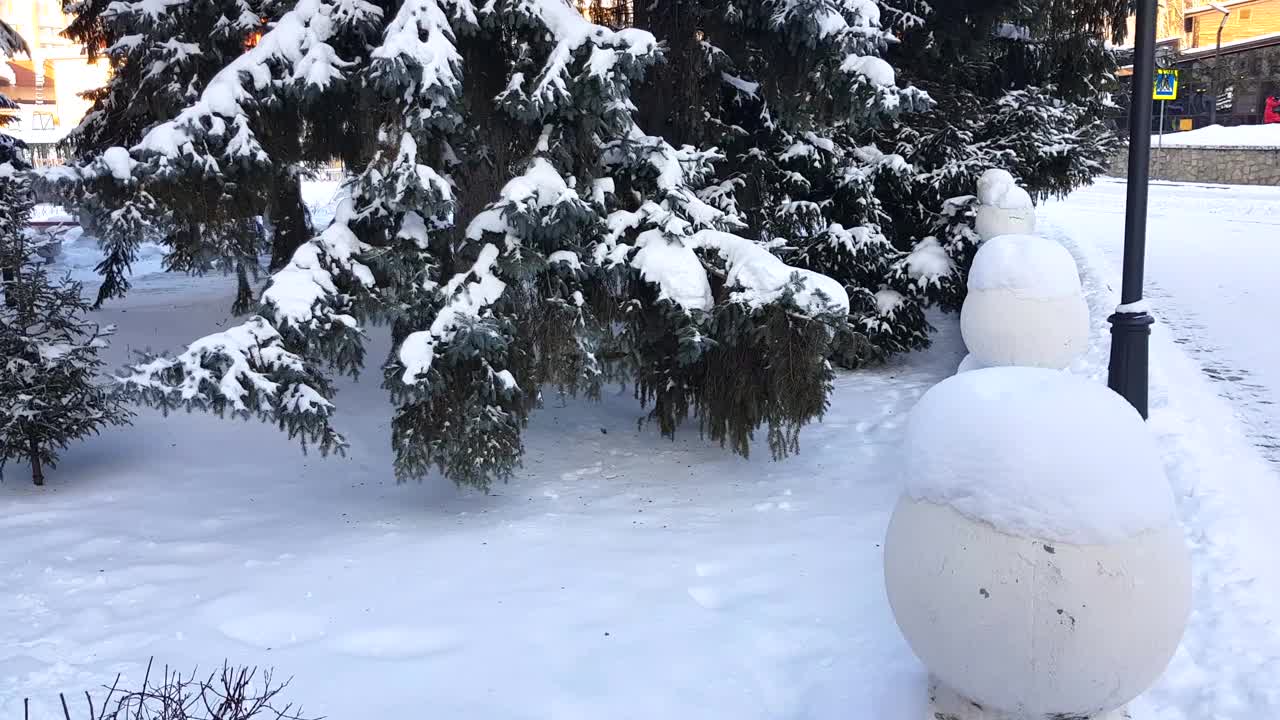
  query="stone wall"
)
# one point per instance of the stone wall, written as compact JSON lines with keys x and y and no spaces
{"x":1227,"y":165}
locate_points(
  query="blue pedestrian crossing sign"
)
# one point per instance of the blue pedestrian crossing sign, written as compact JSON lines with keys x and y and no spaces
{"x":1166,"y":85}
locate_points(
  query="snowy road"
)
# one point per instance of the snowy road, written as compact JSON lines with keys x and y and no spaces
{"x":1212,"y":254}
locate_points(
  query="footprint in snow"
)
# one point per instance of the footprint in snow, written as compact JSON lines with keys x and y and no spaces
{"x":582,"y":472}
{"x":275,"y":629}
{"x":708,"y":569}
{"x":720,"y":594}
{"x":397,"y":643}
{"x":707,"y":597}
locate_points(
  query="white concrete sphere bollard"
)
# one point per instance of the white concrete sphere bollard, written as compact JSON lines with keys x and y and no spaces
{"x":1034,"y":563}
{"x":1025,"y":305}
{"x":1003,"y":207}
{"x":969,"y":364}
{"x":992,"y":221}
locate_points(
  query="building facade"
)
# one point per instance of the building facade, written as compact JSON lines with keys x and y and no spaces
{"x":1228,"y":82}
{"x":1194,"y":24}
{"x":47,"y":85}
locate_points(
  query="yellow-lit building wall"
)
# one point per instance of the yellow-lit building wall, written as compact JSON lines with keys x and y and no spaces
{"x":1194,"y":24}
{"x":50,"y":81}
{"x":1246,"y":21}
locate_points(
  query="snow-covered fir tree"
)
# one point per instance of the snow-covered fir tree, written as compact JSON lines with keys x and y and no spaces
{"x":49,"y":390}
{"x":528,"y":212}
{"x":12,"y":150}
{"x":795,"y":123}
{"x":11,"y":45}
{"x":162,"y":55}
{"x":1022,"y":85}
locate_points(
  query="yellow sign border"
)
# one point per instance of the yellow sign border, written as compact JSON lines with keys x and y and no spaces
{"x":1155,"y":89}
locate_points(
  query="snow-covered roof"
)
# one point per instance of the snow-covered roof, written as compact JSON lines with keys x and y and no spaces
{"x":1210,"y":49}
{"x":1222,"y":7}
{"x":1168,"y":40}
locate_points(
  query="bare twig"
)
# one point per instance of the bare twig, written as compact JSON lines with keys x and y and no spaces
{"x":111,"y":691}
{"x":233,"y":693}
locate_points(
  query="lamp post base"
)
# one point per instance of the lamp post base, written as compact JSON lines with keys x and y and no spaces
{"x":1130,"y":349}
{"x":947,"y":704}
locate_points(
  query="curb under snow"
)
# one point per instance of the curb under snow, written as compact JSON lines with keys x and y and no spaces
{"x":1229,"y":661}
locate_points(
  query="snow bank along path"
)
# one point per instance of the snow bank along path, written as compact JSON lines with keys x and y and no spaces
{"x":1228,"y":666}
{"x":1257,"y":136}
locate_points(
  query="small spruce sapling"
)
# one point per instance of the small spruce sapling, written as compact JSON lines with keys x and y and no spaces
{"x":49,"y":360}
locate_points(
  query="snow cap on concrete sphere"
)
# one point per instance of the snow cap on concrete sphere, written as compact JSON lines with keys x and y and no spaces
{"x":1030,"y":265}
{"x":997,"y":188}
{"x":969,"y":364}
{"x":1037,"y":453}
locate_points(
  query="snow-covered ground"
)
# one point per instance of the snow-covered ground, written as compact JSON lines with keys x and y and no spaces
{"x":1212,"y":254}
{"x":1267,"y":136}
{"x":618,"y":575}
{"x":1229,"y":660}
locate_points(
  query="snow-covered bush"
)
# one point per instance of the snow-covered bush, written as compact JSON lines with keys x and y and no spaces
{"x":1035,"y":563}
{"x":528,"y":211}
{"x":1025,"y":304}
{"x":49,"y":393}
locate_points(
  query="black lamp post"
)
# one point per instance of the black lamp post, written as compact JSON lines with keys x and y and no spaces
{"x":1131,"y":324}
{"x":1217,"y":58}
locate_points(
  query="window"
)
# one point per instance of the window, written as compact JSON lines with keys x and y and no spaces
{"x":1189,"y":25}
{"x":41,"y":121}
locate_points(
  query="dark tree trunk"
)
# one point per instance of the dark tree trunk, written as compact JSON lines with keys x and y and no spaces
{"x":244,"y":291}
{"x":37,"y":469}
{"x":671,"y":99}
{"x":289,"y":220}
{"x":9,"y":276}
{"x":501,"y":141}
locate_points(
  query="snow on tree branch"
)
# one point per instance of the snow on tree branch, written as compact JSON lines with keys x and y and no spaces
{"x":757,"y":275}
{"x":683,"y":223}
{"x":624,"y":52}
{"x":762,"y":279}
{"x":295,"y":49}
{"x":310,"y":305}
{"x":413,"y":188}
{"x":829,"y":18}
{"x":467,"y":295}
{"x":537,"y":202}
{"x":313,"y":300}
{"x":540,"y":188}
{"x":247,"y":372}
{"x":672,"y":265}
{"x":11,"y":43}
{"x":418,"y":56}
